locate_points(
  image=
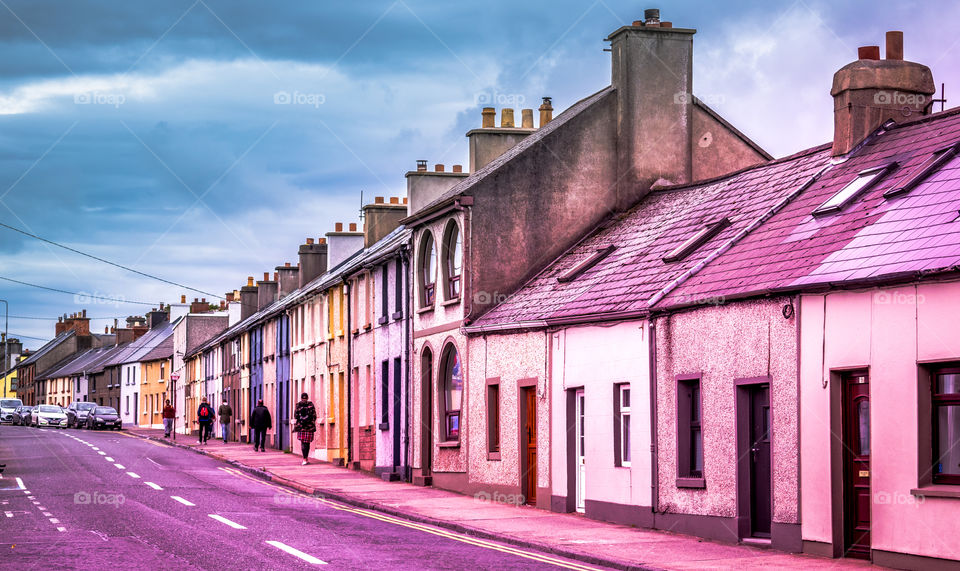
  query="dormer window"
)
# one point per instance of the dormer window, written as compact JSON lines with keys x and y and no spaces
{"x":864,"y":180}
{"x":452,"y":260}
{"x":427,"y":271}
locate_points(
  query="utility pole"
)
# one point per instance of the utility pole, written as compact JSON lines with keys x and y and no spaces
{"x":6,"y":341}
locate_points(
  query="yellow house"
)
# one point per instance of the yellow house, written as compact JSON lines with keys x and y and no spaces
{"x":155,"y":374}
{"x":8,"y":384}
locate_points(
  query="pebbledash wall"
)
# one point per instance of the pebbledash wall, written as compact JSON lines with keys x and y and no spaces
{"x":724,"y":344}
{"x":895,"y":334}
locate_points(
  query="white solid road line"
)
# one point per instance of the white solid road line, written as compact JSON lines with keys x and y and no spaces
{"x":183,"y":501}
{"x":20,"y":483}
{"x":120,"y":466}
{"x":222,"y":519}
{"x":133,"y":475}
{"x":152,"y":485}
{"x":296,"y":552}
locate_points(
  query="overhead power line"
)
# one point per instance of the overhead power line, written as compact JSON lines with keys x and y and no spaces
{"x":56,"y":318}
{"x":82,"y":297}
{"x":17,"y":336}
{"x":114,"y":264}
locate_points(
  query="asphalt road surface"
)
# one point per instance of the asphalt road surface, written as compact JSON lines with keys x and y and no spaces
{"x":84,"y":499}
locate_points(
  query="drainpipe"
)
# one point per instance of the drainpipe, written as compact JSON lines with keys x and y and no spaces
{"x":349,"y":334}
{"x":407,"y":367}
{"x":654,"y":478}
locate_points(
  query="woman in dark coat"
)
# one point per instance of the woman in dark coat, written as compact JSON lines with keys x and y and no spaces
{"x":260,"y":422}
{"x":305,"y":426}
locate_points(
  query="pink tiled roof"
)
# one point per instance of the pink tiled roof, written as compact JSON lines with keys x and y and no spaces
{"x":872,"y":238}
{"x":625,"y":280}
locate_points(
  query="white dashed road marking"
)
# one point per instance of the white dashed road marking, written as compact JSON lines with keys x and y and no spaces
{"x":54,"y":520}
{"x":8,"y":514}
{"x":222,"y":519}
{"x":101,"y":452}
{"x":152,"y":485}
{"x":132,"y":475}
{"x":108,"y":459}
{"x":296,"y":552}
{"x":120,"y":466}
{"x":20,"y":483}
{"x":61,"y":529}
{"x":183,"y":501}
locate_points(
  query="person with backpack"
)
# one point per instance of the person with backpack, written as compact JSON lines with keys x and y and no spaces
{"x":225,"y":413}
{"x":205,"y":420}
{"x":260,"y":422}
{"x":305,"y":426}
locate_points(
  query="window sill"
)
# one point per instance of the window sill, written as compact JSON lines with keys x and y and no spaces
{"x":691,"y":483}
{"x":383,"y":320}
{"x":453,"y":301}
{"x":384,"y":426}
{"x":367,"y":327}
{"x":495,"y":456}
{"x":423,"y":310}
{"x":397,"y":315}
{"x":937,"y":491}
{"x":355,"y":332}
{"x":339,"y":333}
{"x":449,"y":444}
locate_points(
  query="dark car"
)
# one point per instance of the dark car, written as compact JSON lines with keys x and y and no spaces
{"x":77,"y":413}
{"x":21,"y":415}
{"x":103,"y":417}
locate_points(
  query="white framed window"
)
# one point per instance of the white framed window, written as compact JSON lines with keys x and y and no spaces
{"x":621,"y":410}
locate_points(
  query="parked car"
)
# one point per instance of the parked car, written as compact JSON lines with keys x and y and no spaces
{"x":7,"y":406}
{"x":104,"y":417}
{"x":77,"y":413}
{"x":48,"y":415}
{"x":21,"y":416}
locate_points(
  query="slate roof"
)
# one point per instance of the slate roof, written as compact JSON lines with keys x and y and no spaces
{"x":85,"y":361}
{"x":164,"y":350}
{"x":873,"y":239}
{"x":134,"y":351}
{"x":626,"y":279}
{"x":47,"y":347}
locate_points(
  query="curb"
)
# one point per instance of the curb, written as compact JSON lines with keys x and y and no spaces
{"x":443,"y":524}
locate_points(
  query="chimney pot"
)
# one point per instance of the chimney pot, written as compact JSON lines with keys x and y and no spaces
{"x":394,"y":200}
{"x":459,"y":168}
{"x":183,"y":299}
{"x":868,"y":52}
{"x":353,"y":226}
{"x":84,"y":312}
{"x":894,"y":44}
{"x":321,"y":240}
{"x":488,"y":117}
{"x":286,"y":264}
{"x":651,"y":17}
{"x":309,"y":241}
{"x":421,"y":165}
{"x":338,"y":227}
{"x":438,"y":167}
{"x":203,"y":300}
{"x":404,"y":199}
{"x":266,"y":276}
{"x":546,"y":111}
{"x":506,"y":117}
{"x":249,"y":282}
{"x":378,"y":200}
{"x":106,"y":329}
{"x":637,"y":23}
{"x":196,"y":299}
{"x":526,"y":118}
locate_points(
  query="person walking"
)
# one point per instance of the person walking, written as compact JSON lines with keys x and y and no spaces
{"x":260,"y":422}
{"x":225,"y":413}
{"x":205,"y":420}
{"x":305,"y":426}
{"x":169,"y":414}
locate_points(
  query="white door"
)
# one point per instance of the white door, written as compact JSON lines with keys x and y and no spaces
{"x":581,"y":456}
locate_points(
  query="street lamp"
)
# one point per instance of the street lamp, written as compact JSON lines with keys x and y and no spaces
{"x":6,"y":340}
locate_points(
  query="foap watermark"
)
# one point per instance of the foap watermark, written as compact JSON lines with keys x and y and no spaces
{"x":685,"y":98}
{"x":114,"y":100}
{"x":500,"y":498}
{"x":897,"y":499}
{"x":291,"y":499}
{"x":701,"y":299}
{"x":97,"y":298}
{"x":99,"y":499}
{"x":897,"y":298}
{"x":486,"y":297}
{"x":899,"y":98}
{"x":498,"y":98}
{"x":314,"y":100}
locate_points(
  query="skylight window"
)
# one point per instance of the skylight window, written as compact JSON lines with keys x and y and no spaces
{"x":587,"y":263}
{"x":865,"y":179}
{"x":697,"y":240}
{"x":930,"y":166}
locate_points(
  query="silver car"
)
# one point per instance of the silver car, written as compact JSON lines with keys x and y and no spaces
{"x":7,"y":408}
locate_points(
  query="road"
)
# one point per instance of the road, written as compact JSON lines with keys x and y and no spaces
{"x":83,"y":499}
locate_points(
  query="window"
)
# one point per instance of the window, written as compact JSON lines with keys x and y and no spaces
{"x":865,"y":179}
{"x":428,"y":271}
{"x":578,"y":269}
{"x":384,"y":292}
{"x":330,"y":314}
{"x":493,"y":417}
{"x":946,"y":425}
{"x":621,"y":429}
{"x":689,"y":431}
{"x":697,"y":240}
{"x":127,"y":408}
{"x":384,"y":395}
{"x":451,"y":379}
{"x":340,"y":296}
{"x":921,"y":173}
{"x":398,"y":288}
{"x":452,"y":260}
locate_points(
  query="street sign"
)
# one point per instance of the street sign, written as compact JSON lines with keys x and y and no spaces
{"x":175,"y":376}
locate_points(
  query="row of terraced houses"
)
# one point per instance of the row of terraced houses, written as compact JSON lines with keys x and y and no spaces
{"x":629,"y":310}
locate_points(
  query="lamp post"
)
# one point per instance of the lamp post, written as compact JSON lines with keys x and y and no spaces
{"x":6,"y":341}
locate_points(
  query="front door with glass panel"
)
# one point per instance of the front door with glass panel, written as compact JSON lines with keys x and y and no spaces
{"x":856,"y":451}
{"x":580,"y":456}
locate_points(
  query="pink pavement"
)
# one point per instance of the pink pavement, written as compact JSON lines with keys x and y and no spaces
{"x":569,"y":535}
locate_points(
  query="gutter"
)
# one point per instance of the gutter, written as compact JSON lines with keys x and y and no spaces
{"x":407,"y":366}
{"x":349,"y":335}
{"x":654,"y":475}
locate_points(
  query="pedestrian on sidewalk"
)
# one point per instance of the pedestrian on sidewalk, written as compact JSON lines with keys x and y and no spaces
{"x":260,"y":422}
{"x":305,"y":426}
{"x":225,"y":413}
{"x":205,"y":420}
{"x":169,"y":414}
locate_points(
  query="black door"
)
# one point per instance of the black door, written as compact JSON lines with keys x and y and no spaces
{"x":760,"y":504}
{"x":856,"y":451}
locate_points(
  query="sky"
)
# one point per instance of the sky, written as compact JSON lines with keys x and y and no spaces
{"x":203,"y":140}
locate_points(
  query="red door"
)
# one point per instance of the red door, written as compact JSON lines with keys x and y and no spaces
{"x":529,"y":448}
{"x":856,"y":450}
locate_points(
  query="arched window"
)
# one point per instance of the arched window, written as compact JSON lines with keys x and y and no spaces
{"x":427,"y":270}
{"x":452,"y":260}
{"x":451,"y":383}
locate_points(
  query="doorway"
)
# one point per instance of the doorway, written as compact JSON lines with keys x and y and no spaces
{"x":580,"y":458}
{"x":856,"y":464}
{"x":426,"y":413}
{"x":528,"y":444}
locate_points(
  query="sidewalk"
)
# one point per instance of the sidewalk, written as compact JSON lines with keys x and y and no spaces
{"x":568,"y":535}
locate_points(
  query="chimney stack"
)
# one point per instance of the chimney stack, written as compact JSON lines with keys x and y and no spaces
{"x":266,"y":291}
{"x":248,"y":299}
{"x":424,"y":186}
{"x":546,"y":111}
{"x":871,"y":91}
{"x":488,"y":117}
{"x":380,"y":219}
{"x":313,"y":261}
{"x":526,"y":118}
{"x":506,"y":118}
{"x":288,"y":279}
{"x":341,"y":245}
